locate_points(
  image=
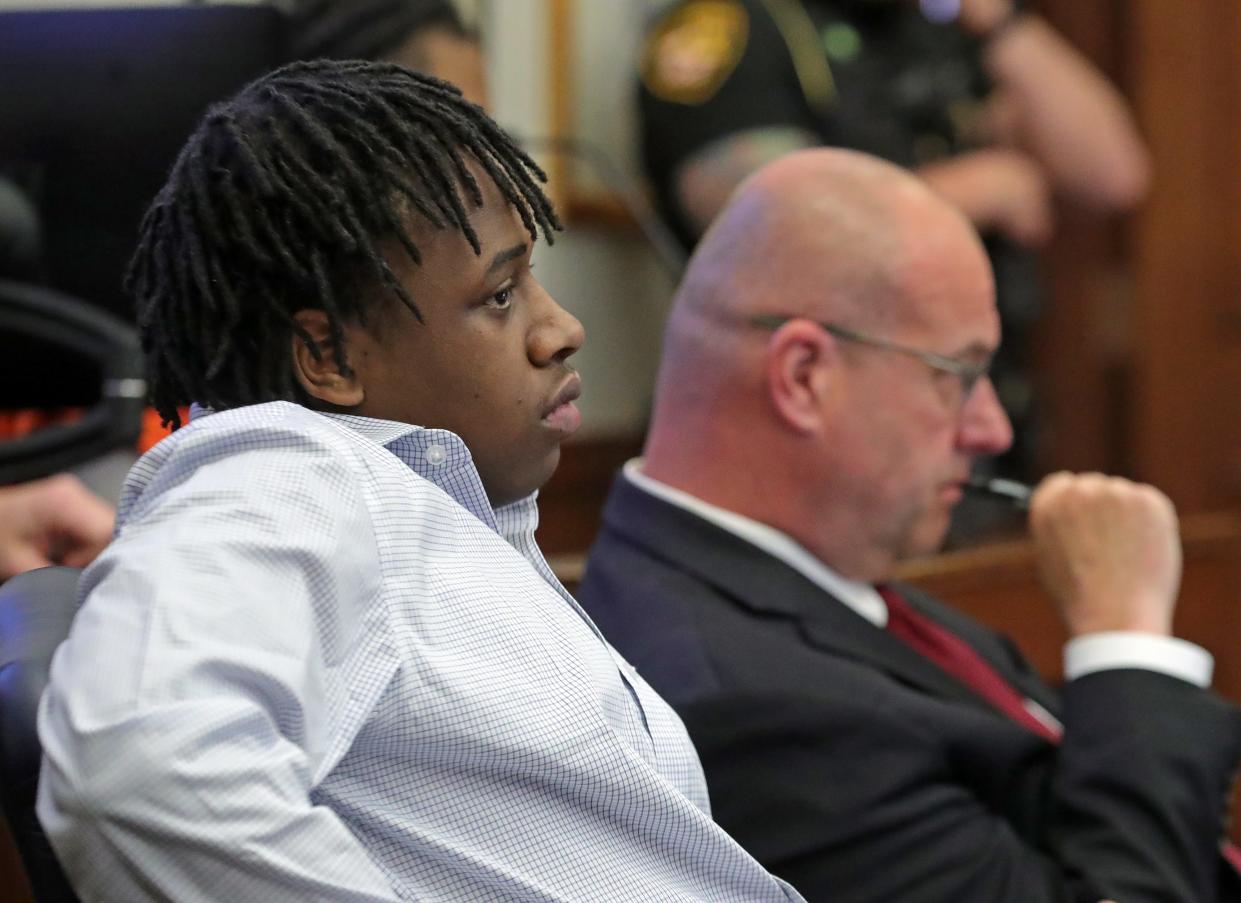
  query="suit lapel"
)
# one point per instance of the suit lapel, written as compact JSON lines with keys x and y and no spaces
{"x":765,"y":587}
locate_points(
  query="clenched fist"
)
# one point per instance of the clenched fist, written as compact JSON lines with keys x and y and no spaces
{"x":1109,"y":552}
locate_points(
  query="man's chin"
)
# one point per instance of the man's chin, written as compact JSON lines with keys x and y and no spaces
{"x":928,"y":535}
{"x":523,"y":481}
{"x":548,"y":470}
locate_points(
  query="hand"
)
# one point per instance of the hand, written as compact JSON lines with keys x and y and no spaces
{"x":1109,"y":552}
{"x":998,"y":189}
{"x":51,"y":521}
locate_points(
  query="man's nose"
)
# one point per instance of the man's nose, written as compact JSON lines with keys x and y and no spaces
{"x":984,"y":429}
{"x":556,"y":335}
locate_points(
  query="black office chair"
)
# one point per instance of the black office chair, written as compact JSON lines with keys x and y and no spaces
{"x":35,"y":314}
{"x":36,"y":609}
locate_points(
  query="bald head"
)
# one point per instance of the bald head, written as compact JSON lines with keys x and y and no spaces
{"x":827,"y":234}
{"x":818,"y":236}
{"x":823,"y":233}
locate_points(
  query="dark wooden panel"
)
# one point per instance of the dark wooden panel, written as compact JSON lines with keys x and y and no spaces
{"x":1081,"y":345}
{"x":13,"y":887}
{"x":1186,"y":429}
{"x":571,"y":502}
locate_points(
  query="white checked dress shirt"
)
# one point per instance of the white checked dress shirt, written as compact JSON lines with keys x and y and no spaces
{"x":316,"y":665}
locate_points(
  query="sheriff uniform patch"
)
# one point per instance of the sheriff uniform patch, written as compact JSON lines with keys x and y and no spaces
{"x":693,"y":49}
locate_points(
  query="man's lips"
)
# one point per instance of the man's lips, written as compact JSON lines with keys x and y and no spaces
{"x":953,"y":490}
{"x":561,"y":414}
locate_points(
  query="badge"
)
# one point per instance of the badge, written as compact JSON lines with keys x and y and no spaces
{"x":693,"y":49}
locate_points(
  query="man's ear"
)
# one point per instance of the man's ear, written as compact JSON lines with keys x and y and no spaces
{"x":317,"y":367}
{"x":801,"y":367}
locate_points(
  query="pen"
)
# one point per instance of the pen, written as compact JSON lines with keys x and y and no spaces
{"x":1016,"y":494}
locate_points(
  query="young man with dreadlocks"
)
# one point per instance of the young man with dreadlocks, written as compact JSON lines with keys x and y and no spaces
{"x":323,"y":658}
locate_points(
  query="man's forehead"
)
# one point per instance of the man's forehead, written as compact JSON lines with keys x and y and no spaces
{"x":952,"y":301}
{"x":495,"y":221}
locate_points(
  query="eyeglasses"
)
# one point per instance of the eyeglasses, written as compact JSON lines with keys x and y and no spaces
{"x":966,"y":372}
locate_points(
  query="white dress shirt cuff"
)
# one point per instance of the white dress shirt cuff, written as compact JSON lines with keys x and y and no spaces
{"x":1122,"y":649}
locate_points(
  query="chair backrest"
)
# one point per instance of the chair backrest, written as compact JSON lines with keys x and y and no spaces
{"x":36,"y":609}
{"x":32,"y":316}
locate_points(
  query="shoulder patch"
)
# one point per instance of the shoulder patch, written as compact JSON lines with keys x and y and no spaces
{"x":692,"y":50}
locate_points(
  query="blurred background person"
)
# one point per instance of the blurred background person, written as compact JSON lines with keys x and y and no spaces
{"x":424,"y":35}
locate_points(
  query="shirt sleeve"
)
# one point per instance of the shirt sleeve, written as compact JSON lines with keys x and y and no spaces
{"x":1122,"y":649}
{"x":205,"y":687}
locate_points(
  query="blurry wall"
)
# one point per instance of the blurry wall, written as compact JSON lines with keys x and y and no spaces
{"x":1141,"y":356}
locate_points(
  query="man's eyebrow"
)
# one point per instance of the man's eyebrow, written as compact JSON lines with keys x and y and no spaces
{"x":505,"y":256}
{"x":974,"y":351}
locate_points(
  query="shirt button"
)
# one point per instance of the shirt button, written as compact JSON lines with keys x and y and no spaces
{"x":436,"y":455}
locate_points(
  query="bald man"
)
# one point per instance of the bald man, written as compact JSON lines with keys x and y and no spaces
{"x":822,"y":395}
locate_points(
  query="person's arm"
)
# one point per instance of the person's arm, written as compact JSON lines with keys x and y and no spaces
{"x":52,"y":521}
{"x":707,"y":178}
{"x":203,"y":690}
{"x":856,"y":792}
{"x":1060,"y":108}
{"x":1000,"y":190}
{"x":858,"y":787}
{"x":853,"y":793}
{"x":742,"y":108}
{"x":1109,"y":554}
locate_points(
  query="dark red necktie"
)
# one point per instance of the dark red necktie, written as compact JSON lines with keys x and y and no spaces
{"x":958,"y":658}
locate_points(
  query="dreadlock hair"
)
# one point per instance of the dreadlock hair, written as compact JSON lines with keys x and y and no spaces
{"x":281,"y":200}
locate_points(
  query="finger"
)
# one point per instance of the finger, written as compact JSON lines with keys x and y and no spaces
{"x":76,"y":515}
{"x":1043,"y":499}
{"x":19,"y":557}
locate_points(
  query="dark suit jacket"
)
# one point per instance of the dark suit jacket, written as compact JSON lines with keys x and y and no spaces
{"x":859,"y":771}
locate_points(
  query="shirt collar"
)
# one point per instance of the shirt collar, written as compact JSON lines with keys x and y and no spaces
{"x":441,"y":456}
{"x":861,"y":597}
{"x":381,"y":432}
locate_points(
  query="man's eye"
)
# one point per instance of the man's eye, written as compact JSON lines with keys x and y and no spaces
{"x":502,"y":299}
